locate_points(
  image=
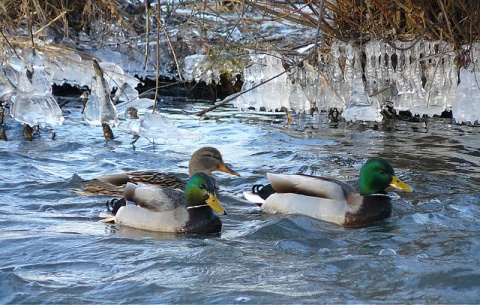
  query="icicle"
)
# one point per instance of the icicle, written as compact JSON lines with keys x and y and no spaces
{"x":34,"y":103}
{"x":466,"y":108}
{"x":359,"y":107}
{"x":99,"y":109}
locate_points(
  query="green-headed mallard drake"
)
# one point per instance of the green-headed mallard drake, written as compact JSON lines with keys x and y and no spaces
{"x":205,"y":159}
{"x":170,"y":210}
{"x":331,"y":200}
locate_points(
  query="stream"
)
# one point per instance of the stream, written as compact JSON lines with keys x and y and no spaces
{"x":55,"y":251}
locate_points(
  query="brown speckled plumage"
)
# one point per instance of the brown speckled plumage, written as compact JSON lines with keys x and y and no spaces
{"x":206,"y":160}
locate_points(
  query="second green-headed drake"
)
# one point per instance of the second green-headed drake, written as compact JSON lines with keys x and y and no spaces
{"x":168,"y":210}
{"x":206,"y":160}
{"x":329,"y":199}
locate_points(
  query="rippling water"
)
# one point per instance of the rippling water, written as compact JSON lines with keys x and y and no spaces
{"x":54,"y":250}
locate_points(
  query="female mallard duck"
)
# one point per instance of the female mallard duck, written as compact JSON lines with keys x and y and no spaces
{"x":331,"y":200}
{"x":205,"y":159}
{"x":170,"y":210}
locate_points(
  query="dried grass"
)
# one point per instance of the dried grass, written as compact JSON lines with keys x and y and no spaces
{"x":454,"y":21}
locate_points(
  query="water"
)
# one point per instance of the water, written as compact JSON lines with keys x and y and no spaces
{"x":54,"y":249}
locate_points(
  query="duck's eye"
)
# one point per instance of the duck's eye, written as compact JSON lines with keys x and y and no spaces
{"x":202,"y":186}
{"x":381,"y":171}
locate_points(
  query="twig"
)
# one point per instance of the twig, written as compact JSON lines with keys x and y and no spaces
{"x":157,"y":59}
{"x":30,"y":26}
{"x":147,"y":34}
{"x":48,"y":24}
{"x":169,"y":41}
{"x":9,"y":44}
{"x":319,"y":27}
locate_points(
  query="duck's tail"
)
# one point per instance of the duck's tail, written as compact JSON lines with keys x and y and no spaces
{"x":259,"y":193}
{"x":115,"y":204}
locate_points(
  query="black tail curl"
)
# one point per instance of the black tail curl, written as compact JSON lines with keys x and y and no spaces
{"x":115,"y":204}
{"x":263,"y":190}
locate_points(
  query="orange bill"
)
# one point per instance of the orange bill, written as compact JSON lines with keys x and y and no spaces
{"x":226,"y":169}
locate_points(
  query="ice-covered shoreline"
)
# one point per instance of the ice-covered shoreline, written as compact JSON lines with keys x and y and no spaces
{"x":357,"y":79}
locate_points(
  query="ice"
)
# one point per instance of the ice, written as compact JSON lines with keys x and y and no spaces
{"x":435,"y":86}
{"x":359,"y":107}
{"x":418,"y":76}
{"x":8,"y":77}
{"x":404,"y":97}
{"x":451,"y":82}
{"x":298,"y":99}
{"x":208,"y":69}
{"x":372,"y":48}
{"x":195,"y":67}
{"x":33,"y":102}
{"x":466,"y":108}
{"x":99,"y":109}
{"x":125,"y":93}
{"x":139,"y":103}
{"x":115,"y":75}
{"x":70,"y":69}
{"x":358,"y":79}
{"x":273,"y":94}
{"x":155,"y":126}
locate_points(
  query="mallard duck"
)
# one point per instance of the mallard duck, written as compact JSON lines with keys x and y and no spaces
{"x":170,"y":210}
{"x":206,"y":160}
{"x":331,"y":200}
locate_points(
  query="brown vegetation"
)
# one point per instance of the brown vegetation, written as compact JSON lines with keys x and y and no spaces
{"x":454,"y":21}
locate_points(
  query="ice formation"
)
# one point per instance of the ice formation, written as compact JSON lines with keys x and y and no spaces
{"x":358,"y":80}
{"x":26,"y":79}
{"x":8,"y":80}
{"x":466,"y":106}
{"x":141,"y":104}
{"x":100,"y":109}
{"x":208,"y":69}
{"x":155,"y":126}
{"x":276,"y":90}
{"x":139,"y":58}
{"x":360,"y":107}
{"x":33,"y":102}
{"x":420,"y":77}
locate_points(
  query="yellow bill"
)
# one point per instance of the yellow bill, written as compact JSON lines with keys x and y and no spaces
{"x":399,"y":184}
{"x":213,"y":202}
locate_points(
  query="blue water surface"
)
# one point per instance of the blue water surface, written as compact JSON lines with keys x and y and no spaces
{"x":54,"y":249}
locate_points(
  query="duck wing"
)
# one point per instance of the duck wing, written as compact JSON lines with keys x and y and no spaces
{"x":119,"y":179}
{"x":153,"y":198}
{"x":310,"y":186}
{"x":157,"y":178}
{"x":113,"y":184}
{"x":98,"y":186}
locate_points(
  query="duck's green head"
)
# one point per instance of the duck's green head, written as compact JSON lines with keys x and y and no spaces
{"x":376,"y":175}
{"x":200,"y":190}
